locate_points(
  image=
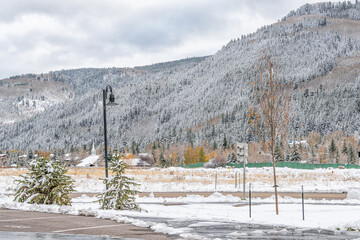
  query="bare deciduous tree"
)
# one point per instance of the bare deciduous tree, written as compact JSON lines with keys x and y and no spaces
{"x":269,"y":114}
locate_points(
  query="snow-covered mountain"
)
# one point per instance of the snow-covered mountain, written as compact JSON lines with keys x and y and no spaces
{"x":201,"y":99}
{"x":23,"y":96}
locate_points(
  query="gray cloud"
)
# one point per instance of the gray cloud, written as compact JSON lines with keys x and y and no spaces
{"x":41,"y":35}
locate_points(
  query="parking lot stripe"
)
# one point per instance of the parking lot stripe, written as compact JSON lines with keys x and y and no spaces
{"x":39,"y":218}
{"x":84,"y":228}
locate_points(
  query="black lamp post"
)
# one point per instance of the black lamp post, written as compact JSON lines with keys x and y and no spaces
{"x":110,"y":103}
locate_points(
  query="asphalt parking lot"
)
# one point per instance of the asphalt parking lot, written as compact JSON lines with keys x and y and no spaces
{"x":23,"y":221}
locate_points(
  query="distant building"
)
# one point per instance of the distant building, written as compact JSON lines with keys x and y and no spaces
{"x":22,"y":160}
{"x":67,"y":157}
{"x":303,"y":143}
{"x":3,"y":160}
{"x":91,"y":160}
{"x":136,"y":162}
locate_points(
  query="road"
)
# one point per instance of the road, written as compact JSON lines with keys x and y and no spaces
{"x":307,"y":195}
{"x":23,"y":221}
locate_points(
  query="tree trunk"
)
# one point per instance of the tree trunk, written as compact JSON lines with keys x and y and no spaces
{"x":275,"y":186}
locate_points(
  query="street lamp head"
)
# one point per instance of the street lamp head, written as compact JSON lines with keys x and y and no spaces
{"x":112,"y":100}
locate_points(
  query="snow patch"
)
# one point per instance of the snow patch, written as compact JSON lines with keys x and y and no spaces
{"x":354,"y":194}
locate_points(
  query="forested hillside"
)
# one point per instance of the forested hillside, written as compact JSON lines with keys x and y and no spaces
{"x":202,"y":99}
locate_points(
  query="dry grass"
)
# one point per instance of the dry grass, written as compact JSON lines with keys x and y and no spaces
{"x":207,"y":176}
{"x":12,"y":171}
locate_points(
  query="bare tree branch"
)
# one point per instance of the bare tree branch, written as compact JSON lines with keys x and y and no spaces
{"x":269,"y":115}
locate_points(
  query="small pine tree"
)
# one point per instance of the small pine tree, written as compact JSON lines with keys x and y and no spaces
{"x":337,"y":157}
{"x":351,"y":155}
{"x":162,"y":160}
{"x":344,"y":149}
{"x":279,"y":157}
{"x":288,"y":158}
{"x":201,"y":155}
{"x":225,"y":144}
{"x":233,"y":158}
{"x":214,"y":147}
{"x":295,"y":156}
{"x":118,"y":196}
{"x":153,"y":154}
{"x":313,"y":155}
{"x":133,"y":148}
{"x":137,"y":148}
{"x":306,"y":93}
{"x":45,"y":183}
{"x":332,"y":149}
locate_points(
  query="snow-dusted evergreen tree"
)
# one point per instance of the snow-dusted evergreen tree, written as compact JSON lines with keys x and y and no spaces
{"x":351,"y":155}
{"x":162,"y":160}
{"x":344,"y":149}
{"x":332,"y":149}
{"x":119,"y":194}
{"x":231,"y":158}
{"x":337,"y":157}
{"x":202,"y":155}
{"x":279,"y":156}
{"x":214,"y":146}
{"x":45,"y":183}
{"x":295,"y":156}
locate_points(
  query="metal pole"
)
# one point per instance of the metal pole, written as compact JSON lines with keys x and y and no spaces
{"x":302,"y":197}
{"x":215,"y":180}
{"x":244,"y":180}
{"x":235,"y":179}
{"x":105,"y":139}
{"x":250,"y":200}
{"x":239,"y":185}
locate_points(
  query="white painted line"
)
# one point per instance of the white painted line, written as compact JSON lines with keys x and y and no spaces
{"x":75,"y":229}
{"x":15,"y":226}
{"x":26,"y":219}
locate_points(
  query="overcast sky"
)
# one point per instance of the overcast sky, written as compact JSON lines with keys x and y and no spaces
{"x":41,"y":35}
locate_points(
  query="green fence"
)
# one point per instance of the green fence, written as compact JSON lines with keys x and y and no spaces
{"x":195,"y":165}
{"x":281,"y":164}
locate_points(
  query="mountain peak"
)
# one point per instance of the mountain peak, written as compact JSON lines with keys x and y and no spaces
{"x":344,"y":9}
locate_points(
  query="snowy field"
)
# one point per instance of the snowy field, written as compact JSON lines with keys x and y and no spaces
{"x":189,"y":217}
{"x":200,"y":179}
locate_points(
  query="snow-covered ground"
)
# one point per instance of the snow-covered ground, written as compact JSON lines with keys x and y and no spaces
{"x":218,"y":209}
{"x":201,"y":179}
{"x":184,"y":216}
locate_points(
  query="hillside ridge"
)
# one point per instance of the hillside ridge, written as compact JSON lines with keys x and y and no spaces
{"x":176,"y":102}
